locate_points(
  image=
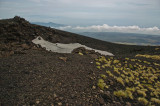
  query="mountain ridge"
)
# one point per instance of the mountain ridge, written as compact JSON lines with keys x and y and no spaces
{"x":48,"y":24}
{"x":19,"y":30}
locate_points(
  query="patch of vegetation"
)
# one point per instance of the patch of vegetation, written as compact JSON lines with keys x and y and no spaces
{"x":80,"y":53}
{"x":101,"y":84}
{"x":134,"y":79}
{"x":157,"y":57}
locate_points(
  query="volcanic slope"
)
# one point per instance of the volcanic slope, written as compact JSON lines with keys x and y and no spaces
{"x":30,"y":75}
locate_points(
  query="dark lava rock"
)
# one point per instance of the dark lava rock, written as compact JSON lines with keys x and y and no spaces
{"x":117,"y":103}
{"x":107,"y":96}
{"x":101,"y":100}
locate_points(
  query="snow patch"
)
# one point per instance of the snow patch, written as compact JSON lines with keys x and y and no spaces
{"x":64,"y":48}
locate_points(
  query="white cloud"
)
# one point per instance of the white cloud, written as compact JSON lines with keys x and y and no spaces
{"x":106,"y":28}
{"x":65,"y":27}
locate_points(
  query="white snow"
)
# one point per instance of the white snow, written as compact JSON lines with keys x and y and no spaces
{"x":64,"y":48}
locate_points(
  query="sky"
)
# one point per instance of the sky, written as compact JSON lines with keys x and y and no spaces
{"x":87,"y":13}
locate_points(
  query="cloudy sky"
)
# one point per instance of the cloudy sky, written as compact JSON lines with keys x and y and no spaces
{"x":86,"y":13}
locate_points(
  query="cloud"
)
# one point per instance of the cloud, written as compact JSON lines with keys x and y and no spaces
{"x":106,"y":28}
{"x":85,"y":12}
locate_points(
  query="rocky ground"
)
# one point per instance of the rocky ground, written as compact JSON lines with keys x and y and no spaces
{"x":45,"y":78}
{"x":32,"y":76}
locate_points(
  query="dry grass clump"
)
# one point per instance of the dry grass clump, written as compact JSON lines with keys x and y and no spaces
{"x":80,"y":53}
{"x":120,"y":80}
{"x":103,"y":76}
{"x":120,"y":93}
{"x":156,"y":48}
{"x":141,"y":92}
{"x":155,"y":100}
{"x":101,"y":84}
{"x":143,"y":100}
{"x":124,"y":94}
{"x":98,"y":63}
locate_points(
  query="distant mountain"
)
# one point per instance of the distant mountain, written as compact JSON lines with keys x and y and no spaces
{"x":125,"y":38}
{"x":49,"y":24}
